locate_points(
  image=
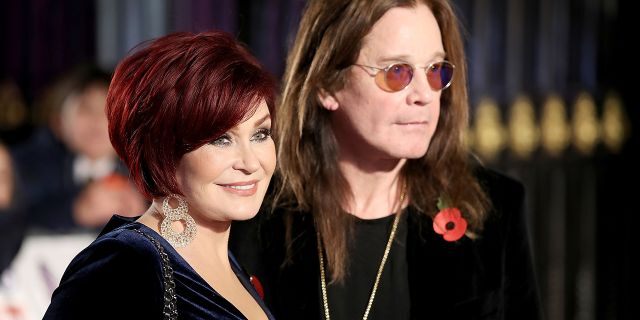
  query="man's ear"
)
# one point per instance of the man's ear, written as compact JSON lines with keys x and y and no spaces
{"x":327,"y":100}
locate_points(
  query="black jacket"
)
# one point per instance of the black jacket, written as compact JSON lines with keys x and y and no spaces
{"x":491,"y":277}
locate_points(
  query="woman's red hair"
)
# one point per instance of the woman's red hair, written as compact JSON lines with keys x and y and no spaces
{"x":177,"y":93}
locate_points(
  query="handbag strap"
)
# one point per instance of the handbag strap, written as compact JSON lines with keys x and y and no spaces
{"x":170,"y":310}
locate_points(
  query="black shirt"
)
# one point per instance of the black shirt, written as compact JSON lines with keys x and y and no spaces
{"x":349,"y":299}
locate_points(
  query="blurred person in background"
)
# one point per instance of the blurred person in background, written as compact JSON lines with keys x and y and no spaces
{"x":11,"y":226}
{"x":6,"y":178}
{"x":67,"y":173}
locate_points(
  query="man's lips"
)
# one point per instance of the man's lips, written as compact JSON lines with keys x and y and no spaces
{"x":410,"y":123}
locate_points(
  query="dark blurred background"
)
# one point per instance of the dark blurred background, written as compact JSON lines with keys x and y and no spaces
{"x":553,"y":97}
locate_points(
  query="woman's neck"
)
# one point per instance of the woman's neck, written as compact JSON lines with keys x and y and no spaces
{"x":374,"y":186}
{"x":210,"y":243}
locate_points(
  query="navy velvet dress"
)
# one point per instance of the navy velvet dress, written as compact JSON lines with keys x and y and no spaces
{"x":119,"y":276}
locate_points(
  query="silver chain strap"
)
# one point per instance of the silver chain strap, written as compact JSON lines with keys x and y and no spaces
{"x":170,"y":310}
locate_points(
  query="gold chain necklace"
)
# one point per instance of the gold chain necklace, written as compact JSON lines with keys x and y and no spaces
{"x":387,"y":249}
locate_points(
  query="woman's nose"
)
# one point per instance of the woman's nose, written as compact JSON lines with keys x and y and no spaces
{"x":247,"y":159}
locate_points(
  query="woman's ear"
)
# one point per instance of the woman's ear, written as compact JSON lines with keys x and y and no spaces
{"x":327,"y":100}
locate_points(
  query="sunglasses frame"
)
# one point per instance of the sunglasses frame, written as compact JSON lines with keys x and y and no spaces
{"x":384,"y":71}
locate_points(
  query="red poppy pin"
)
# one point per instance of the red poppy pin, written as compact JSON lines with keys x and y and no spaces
{"x":257,"y":285}
{"x":449,"y":222}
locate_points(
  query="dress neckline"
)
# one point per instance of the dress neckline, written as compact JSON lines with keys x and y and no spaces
{"x":124,"y":222}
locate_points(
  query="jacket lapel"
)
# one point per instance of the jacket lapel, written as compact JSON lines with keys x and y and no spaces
{"x":446,"y":278}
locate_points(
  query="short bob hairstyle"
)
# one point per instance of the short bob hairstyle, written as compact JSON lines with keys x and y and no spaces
{"x":177,"y":93}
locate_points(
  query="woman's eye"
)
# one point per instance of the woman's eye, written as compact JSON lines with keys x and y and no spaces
{"x":223,"y":141}
{"x":261,"y":135}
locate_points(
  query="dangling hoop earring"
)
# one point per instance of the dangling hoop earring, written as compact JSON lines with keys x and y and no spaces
{"x":171,"y":215}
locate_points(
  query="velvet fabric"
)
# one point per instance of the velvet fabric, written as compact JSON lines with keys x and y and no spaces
{"x":491,"y":277}
{"x":119,"y":276}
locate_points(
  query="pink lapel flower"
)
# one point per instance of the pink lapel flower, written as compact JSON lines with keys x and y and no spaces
{"x":449,"y":223}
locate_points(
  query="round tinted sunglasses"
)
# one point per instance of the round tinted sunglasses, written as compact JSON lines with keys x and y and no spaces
{"x":398,"y":75}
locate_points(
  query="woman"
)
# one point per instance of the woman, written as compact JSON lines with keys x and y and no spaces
{"x":190,"y":115}
{"x":380,"y":212}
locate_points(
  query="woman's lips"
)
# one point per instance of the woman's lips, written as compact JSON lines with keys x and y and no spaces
{"x":247,"y":188}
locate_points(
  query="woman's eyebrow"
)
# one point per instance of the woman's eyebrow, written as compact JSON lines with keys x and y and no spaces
{"x":262,"y":120}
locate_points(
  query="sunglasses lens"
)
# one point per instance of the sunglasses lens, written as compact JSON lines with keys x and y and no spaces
{"x":398,"y":76}
{"x":440,"y":75}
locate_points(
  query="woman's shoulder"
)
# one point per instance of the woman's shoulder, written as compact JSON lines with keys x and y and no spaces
{"x":122,"y":264}
{"x":123,"y":248}
{"x":123,"y":237}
